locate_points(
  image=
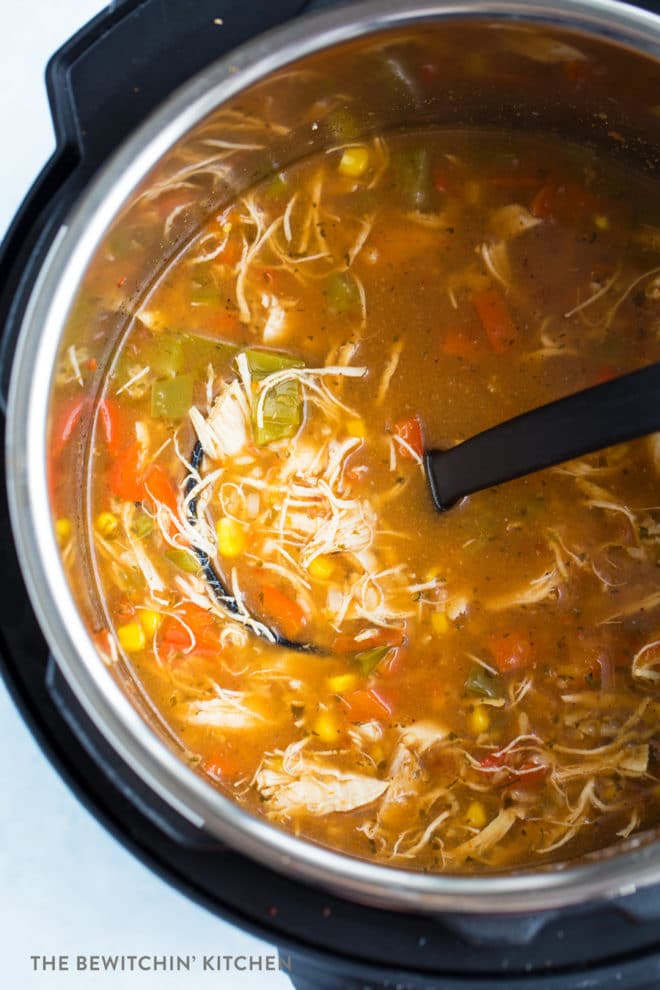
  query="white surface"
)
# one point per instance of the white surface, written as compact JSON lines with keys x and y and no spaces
{"x":66,"y":887}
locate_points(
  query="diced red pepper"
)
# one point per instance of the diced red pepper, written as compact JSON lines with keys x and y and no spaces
{"x":113,"y":425}
{"x":175,"y":635}
{"x":367,"y":706}
{"x":605,"y":373}
{"x":224,"y":765}
{"x":459,"y":343}
{"x":533,"y":773}
{"x":125,"y":475}
{"x":444,"y":180}
{"x":563,"y":201}
{"x":493,"y":311}
{"x":579,"y":72}
{"x":511,"y":652}
{"x":430,"y":72}
{"x":201,"y":623}
{"x":410,"y":431}
{"x":285,"y":612}
{"x":160,"y":486}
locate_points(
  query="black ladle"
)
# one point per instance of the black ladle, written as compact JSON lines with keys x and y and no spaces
{"x":588,"y":421}
{"x":582,"y":423}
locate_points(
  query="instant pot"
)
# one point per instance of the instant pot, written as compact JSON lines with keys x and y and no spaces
{"x":120,"y":115}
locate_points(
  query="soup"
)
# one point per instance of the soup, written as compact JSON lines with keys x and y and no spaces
{"x":473,"y":691}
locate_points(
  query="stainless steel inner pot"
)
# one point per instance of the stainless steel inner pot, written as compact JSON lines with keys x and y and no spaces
{"x":498,"y":68}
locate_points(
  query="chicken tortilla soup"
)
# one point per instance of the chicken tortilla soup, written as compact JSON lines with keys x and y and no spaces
{"x":473,"y":691}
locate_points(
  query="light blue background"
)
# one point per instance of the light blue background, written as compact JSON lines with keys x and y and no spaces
{"x":66,"y":887}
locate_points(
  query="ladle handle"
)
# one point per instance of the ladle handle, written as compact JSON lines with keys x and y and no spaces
{"x":590,"y":420}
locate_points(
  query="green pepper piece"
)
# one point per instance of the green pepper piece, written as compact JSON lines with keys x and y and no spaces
{"x":370,"y":659}
{"x":200,"y":352}
{"x":342,"y":293}
{"x":282,"y":405}
{"x":282,"y":410}
{"x":264,"y":363}
{"x":480,"y":681}
{"x":184,"y":560}
{"x":171,"y":398}
{"x":412,"y":173}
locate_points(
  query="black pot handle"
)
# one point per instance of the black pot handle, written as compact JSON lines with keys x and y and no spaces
{"x":101,"y":84}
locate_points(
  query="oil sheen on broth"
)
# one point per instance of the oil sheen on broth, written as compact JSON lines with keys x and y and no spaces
{"x":486,"y":692}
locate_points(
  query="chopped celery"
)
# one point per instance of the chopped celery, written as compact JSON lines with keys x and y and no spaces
{"x":201,"y":351}
{"x":342,"y":293}
{"x":171,"y":398}
{"x":412,"y":170}
{"x":205,"y":294}
{"x":143,"y":526}
{"x":277,"y":187}
{"x":164,"y":355}
{"x":370,"y":659}
{"x":184,"y":560}
{"x":342,"y":125}
{"x":130,"y":580}
{"x":282,"y":405}
{"x":480,"y":681}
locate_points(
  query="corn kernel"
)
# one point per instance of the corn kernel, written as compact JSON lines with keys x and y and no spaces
{"x":107,"y":524}
{"x":479,"y":720}
{"x":150,"y":621}
{"x":342,"y":682}
{"x":63,"y":529}
{"x":354,"y":162}
{"x":432,"y":573}
{"x":321,"y":568}
{"x":131,"y":637}
{"x":231,"y":537}
{"x":476,"y":814}
{"x":356,"y":428}
{"x":326,"y":727}
{"x":601,"y":222}
{"x":440,"y":623}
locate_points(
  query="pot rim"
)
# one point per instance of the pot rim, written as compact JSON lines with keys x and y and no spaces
{"x":96,"y":690}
